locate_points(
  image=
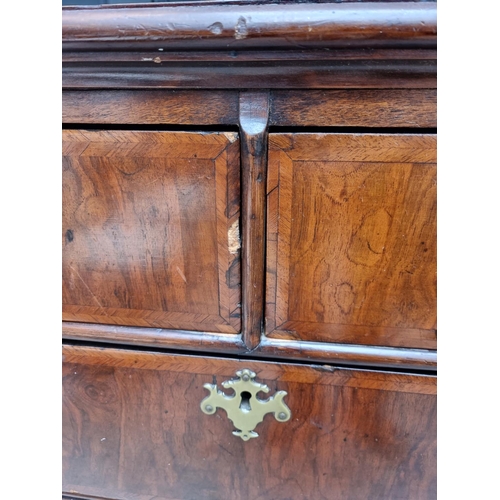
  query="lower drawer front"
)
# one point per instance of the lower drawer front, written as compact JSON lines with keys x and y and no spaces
{"x":133,"y":430}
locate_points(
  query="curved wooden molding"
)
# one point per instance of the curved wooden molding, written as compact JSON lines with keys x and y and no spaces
{"x":245,"y":26}
{"x":154,"y":337}
{"x":235,"y":45}
{"x":348,"y":354}
{"x":306,"y":352}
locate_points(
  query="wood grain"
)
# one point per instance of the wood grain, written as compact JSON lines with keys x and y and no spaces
{"x":164,"y":74}
{"x":133,"y":430}
{"x":150,"y":229}
{"x":254,"y":116}
{"x":332,"y":108}
{"x":157,"y":107}
{"x":355,"y":108}
{"x":151,"y":253}
{"x":351,"y":239}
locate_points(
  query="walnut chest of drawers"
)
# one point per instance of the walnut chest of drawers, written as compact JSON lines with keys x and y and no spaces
{"x":249,"y":197}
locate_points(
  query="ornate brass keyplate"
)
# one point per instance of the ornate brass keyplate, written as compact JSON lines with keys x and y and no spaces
{"x":243,"y":408}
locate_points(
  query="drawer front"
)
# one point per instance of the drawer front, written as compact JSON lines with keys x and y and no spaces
{"x":351,"y":251}
{"x":133,"y":430}
{"x":151,"y":229}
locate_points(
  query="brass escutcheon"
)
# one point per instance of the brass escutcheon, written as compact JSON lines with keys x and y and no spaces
{"x":243,"y":407}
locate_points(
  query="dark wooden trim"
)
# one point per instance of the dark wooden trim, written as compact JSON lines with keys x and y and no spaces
{"x":146,"y":57}
{"x":150,"y":107}
{"x":414,"y":108}
{"x":318,"y":75}
{"x":234,"y":45}
{"x":355,"y":108}
{"x":254,"y":119}
{"x":154,"y":337}
{"x":202,"y":342}
{"x":250,"y":25}
{"x":346,"y":354}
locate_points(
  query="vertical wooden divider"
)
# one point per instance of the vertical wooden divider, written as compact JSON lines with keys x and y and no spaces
{"x":254,"y":125}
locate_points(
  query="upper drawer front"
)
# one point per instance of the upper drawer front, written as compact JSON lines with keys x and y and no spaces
{"x":151,"y":229}
{"x":133,"y":430}
{"x":352,"y":239}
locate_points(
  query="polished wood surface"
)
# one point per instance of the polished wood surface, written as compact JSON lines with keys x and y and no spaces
{"x":165,"y":74}
{"x":133,"y":430}
{"x":414,"y":108}
{"x":137,"y":336}
{"x":151,"y":229}
{"x":351,"y":242}
{"x":347,"y":354}
{"x":267,"y":348}
{"x":192,"y":153}
{"x":254,"y":116}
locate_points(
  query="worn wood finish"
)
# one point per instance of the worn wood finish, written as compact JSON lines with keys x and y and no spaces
{"x":151,"y":229}
{"x":348,"y":354}
{"x":254,"y":117}
{"x":251,"y":46}
{"x":147,"y":57}
{"x":206,"y":342}
{"x":332,"y":108}
{"x":209,"y":343}
{"x":355,"y":108}
{"x":236,"y":26}
{"x":158,"y":107}
{"x":133,"y":429}
{"x":151,"y":248}
{"x":351,"y":247}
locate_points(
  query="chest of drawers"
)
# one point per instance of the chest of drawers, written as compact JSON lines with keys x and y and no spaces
{"x":249,"y":196}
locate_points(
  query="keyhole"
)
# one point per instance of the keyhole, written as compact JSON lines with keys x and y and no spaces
{"x":245,"y":401}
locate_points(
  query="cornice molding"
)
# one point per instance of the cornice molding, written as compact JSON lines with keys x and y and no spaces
{"x":242,"y":26}
{"x":233,"y":45}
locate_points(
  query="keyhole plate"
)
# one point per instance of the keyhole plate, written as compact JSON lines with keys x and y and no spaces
{"x":243,"y":407}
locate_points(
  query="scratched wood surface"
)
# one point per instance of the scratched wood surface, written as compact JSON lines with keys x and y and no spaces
{"x":246,"y":25}
{"x":133,"y":430}
{"x":151,"y":229}
{"x":351,"y":243}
